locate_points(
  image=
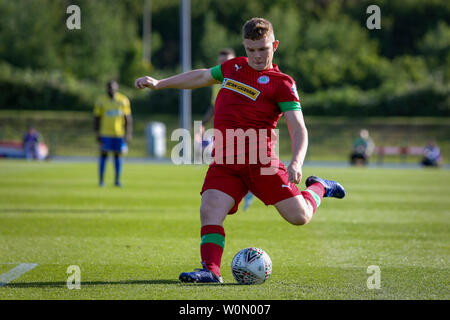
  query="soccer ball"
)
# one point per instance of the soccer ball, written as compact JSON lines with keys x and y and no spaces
{"x":251,"y":266}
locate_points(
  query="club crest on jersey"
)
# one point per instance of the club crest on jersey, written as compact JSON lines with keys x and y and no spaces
{"x":241,"y":88}
{"x":263,"y":80}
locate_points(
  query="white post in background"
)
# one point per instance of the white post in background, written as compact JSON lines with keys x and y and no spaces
{"x":185,"y":39}
{"x":147,"y":31}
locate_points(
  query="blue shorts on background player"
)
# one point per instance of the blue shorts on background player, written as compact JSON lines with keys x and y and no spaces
{"x":117,"y":145}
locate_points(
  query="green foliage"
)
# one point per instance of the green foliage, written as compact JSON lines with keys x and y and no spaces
{"x":27,"y":89}
{"x":215,"y":37}
{"x":324,"y":45}
{"x":31,"y":33}
{"x":402,"y":99}
{"x":328,"y":49}
{"x":435,"y":46}
{"x":133,"y":65}
{"x":288,"y":24}
{"x":98,"y":49}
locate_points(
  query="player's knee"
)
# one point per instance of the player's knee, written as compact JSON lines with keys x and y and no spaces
{"x":303,"y":215}
{"x":299,"y":219}
{"x":295,"y":211}
{"x":296,"y":217}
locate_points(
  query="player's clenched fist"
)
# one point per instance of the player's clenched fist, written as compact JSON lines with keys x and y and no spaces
{"x":146,"y":82}
{"x":294,"y":172}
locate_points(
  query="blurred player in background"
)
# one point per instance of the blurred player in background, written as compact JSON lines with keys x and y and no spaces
{"x":431,"y":155}
{"x":225,"y":54}
{"x":113,"y":128}
{"x":253,"y":97}
{"x":363,"y":148}
{"x":31,"y":143}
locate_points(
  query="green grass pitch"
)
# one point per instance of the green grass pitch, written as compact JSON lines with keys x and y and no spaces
{"x":132,"y":243}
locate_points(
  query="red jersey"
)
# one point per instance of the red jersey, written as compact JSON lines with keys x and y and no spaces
{"x":251,"y":99}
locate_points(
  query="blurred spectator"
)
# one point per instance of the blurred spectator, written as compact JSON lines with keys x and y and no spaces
{"x":431,"y":155}
{"x":363,"y":148}
{"x":31,"y":143}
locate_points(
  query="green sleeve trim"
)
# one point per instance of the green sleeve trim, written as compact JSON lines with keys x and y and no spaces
{"x":215,"y":238}
{"x":290,"y":106}
{"x":216,"y":73}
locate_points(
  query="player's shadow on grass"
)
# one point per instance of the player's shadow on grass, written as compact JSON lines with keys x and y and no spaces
{"x":62,"y":284}
{"x":210,"y":284}
{"x":58,"y":284}
{"x":74,"y":210}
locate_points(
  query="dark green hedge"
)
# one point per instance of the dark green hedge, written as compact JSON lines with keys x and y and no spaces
{"x":25,"y":89}
{"x":428,"y":99}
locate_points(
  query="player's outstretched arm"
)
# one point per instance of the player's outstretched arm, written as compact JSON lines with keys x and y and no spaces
{"x":189,"y":80}
{"x":299,"y":141}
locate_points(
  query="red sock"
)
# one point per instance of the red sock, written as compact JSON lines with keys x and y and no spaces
{"x":314,"y":195}
{"x":211,"y":247}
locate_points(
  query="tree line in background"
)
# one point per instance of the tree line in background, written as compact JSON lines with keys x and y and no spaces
{"x":341,"y":67}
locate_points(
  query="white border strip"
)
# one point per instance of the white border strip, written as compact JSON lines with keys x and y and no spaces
{"x":16,"y":272}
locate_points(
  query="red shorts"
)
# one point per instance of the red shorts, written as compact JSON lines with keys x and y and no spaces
{"x":237,"y":179}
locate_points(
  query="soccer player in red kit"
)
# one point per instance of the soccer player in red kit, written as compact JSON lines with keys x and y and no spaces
{"x":253,"y":97}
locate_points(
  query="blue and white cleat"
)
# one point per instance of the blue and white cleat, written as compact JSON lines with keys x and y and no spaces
{"x":200,"y":276}
{"x":332,"y":188}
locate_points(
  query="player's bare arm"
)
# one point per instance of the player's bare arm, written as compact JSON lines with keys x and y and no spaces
{"x":189,"y":80}
{"x":299,"y":142}
{"x":97,"y":128}
{"x":128,"y":128}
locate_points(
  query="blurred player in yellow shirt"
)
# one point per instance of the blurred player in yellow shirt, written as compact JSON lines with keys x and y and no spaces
{"x":113,"y":127}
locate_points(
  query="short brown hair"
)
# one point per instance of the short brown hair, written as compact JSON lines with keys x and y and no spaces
{"x":257,"y":28}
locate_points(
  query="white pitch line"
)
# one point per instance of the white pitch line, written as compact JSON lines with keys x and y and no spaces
{"x":16,"y":272}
